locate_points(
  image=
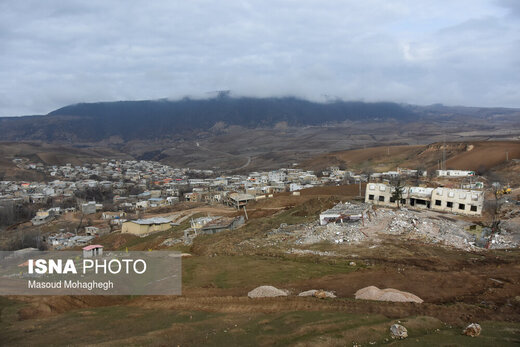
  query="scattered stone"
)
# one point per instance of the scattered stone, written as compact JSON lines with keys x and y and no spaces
{"x":266,"y":292}
{"x":389,"y":294}
{"x":472,"y":330}
{"x":398,"y":332}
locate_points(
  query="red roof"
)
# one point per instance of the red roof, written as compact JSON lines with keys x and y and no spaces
{"x":88,"y":248}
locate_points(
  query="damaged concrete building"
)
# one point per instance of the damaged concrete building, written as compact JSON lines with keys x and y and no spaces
{"x":343,"y":213}
{"x":441,"y":199}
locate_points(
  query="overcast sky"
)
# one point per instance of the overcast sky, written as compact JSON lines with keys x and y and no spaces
{"x":457,"y":52}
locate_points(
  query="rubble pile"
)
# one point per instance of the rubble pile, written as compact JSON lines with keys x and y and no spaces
{"x":423,"y":226}
{"x":503,"y":240}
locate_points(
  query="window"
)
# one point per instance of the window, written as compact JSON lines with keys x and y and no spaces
{"x":438,"y":203}
{"x":420,"y":202}
{"x":451,"y":194}
{"x":382,"y":198}
{"x":403,"y":201}
{"x":462,"y":195}
{"x":439,"y":191}
{"x":462,"y":207}
{"x":371,"y":197}
{"x":382,"y":188}
{"x":392,"y":199}
{"x":371,"y":187}
{"x":449,"y":204}
{"x":473,"y":208}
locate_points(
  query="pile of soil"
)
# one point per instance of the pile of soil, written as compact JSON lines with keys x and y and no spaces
{"x":389,"y":294}
{"x":266,"y":292}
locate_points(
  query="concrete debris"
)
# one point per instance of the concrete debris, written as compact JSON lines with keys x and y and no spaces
{"x":389,"y":294}
{"x":503,"y":240}
{"x":398,"y":331}
{"x":472,"y":330}
{"x":321,"y":294}
{"x":424,"y":226}
{"x":267,"y":292}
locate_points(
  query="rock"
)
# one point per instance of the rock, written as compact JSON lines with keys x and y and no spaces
{"x":352,"y":263}
{"x":308,"y":292}
{"x":266,"y":292}
{"x":388,"y":294}
{"x":472,"y":330}
{"x":398,"y":332}
{"x":321,"y":294}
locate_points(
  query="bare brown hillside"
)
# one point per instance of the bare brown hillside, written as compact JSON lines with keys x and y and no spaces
{"x":460,"y":155}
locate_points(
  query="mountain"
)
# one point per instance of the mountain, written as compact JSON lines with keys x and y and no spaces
{"x":130,"y":120}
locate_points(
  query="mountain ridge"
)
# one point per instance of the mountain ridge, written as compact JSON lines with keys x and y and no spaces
{"x":167,"y":119}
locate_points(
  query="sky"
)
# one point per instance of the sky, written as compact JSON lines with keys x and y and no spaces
{"x":458,"y":52}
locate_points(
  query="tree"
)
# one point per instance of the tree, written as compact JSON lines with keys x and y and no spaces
{"x":498,"y":184}
{"x":397,"y":193}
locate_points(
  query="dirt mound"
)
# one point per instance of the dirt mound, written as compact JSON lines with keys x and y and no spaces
{"x":266,"y":292}
{"x":389,"y":294}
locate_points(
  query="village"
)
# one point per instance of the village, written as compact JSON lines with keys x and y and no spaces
{"x":145,"y":197}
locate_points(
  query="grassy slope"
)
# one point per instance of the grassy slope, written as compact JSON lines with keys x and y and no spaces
{"x":122,"y":325}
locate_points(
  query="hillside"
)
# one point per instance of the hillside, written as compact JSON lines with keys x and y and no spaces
{"x":479,"y":155}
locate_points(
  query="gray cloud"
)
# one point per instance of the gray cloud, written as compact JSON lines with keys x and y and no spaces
{"x":55,"y":52}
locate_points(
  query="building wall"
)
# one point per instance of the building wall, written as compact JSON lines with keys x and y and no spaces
{"x":461,"y":201}
{"x":143,"y":229}
{"x":379,"y":194}
{"x":458,"y":201}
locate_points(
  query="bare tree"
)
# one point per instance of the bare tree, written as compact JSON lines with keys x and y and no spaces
{"x":397,"y":193}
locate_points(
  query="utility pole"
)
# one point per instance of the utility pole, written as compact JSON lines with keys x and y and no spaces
{"x":444,"y":154}
{"x":507,"y":156}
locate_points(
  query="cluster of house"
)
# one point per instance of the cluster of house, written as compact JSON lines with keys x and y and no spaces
{"x":442,"y":199}
{"x":139,"y":185}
